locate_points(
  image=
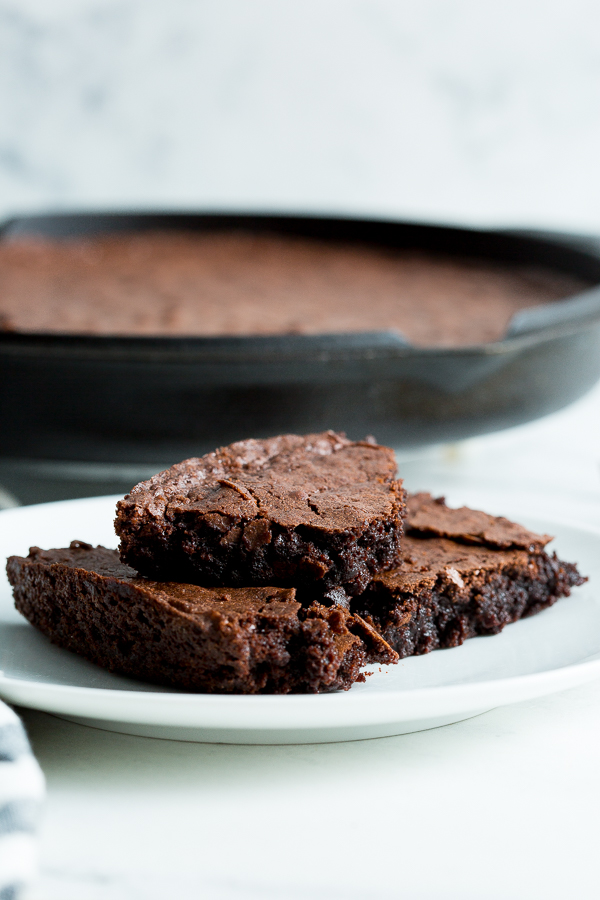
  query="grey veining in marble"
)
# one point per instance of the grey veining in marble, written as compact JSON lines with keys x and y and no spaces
{"x":456,"y":110}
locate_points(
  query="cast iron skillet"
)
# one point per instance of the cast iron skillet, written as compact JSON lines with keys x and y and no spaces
{"x":146,"y":400}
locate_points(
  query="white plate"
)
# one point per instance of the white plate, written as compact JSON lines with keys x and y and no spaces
{"x":556,"y":649}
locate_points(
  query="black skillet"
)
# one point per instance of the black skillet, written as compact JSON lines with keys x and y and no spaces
{"x":152,"y":401}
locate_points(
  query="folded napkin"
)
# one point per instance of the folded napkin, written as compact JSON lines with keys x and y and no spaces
{"x":21,"y":793}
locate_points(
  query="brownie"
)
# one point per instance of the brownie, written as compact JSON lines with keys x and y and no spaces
{"x":213,"y":283}
{"x":491,"y":572}
{"x":429,"y":515}
{"x":318,"y":513}
{"x":221,"y":640}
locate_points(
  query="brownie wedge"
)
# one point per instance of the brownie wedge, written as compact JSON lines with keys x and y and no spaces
{"x":318,"y":511}
{"x":429,"y":516}
{"x":219,"y":640}
{"x":489,"y":573}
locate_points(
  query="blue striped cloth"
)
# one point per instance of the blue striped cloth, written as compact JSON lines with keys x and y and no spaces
{"x":21,"y":794}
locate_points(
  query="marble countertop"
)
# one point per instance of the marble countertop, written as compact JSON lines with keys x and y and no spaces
{"x":455,"y":111}
{"x":503,"y":805}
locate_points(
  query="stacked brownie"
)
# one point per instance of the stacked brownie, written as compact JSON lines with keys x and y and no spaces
{"x":463,"y":573}
{"x":319,"y":513}
{"x":247,"y":548}
{"x":282,"y":566}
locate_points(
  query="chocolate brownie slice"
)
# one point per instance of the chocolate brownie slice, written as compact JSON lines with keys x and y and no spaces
{"x":429,"y":515}
{"x":318,"y":511}
{"x":490,"y":573}
{"x":222,"y":640}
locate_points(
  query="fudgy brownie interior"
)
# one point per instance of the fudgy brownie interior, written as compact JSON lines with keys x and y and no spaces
{"x":238,"y":283}
{"x":222,"y":640}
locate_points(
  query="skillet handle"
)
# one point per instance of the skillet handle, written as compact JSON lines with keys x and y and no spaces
{"x":580,"y":308}
{"x":577,"y":309}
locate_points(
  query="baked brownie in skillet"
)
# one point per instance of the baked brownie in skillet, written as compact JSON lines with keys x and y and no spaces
{"x":463,"y":573}
{"x":222,"y":640}
{"x":247,"y":283}
{"x":316,"y":511}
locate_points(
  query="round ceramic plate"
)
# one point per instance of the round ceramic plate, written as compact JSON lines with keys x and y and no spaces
{"x":557,"y":649}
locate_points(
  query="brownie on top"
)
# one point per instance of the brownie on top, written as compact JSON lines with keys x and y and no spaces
{"x":223,"y":640}
{"x":463,"y":573}
{"x":316,"y":511}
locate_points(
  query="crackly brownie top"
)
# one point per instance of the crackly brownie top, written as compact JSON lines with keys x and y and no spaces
{"x":430,"y":516}
{"x":425,"y":559}
{"x":239,"y":282}
{"x":187,"y":598}
{"x":320,"y":480}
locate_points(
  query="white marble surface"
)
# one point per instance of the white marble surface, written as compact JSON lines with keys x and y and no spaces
{"x":461,"y":110}
{"x":504,"y":805}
